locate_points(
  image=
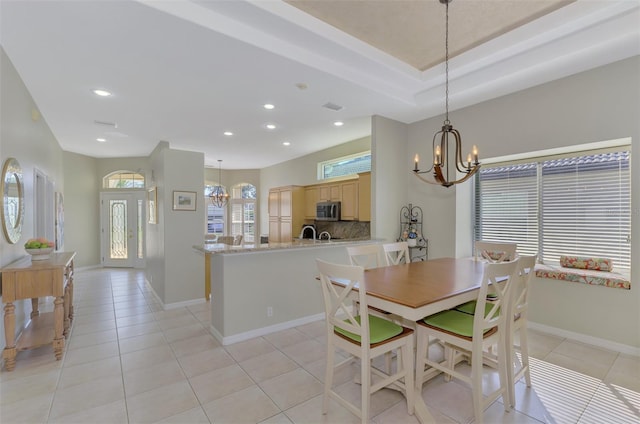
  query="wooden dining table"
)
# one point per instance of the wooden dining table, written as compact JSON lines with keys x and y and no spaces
{"x":418,"y":289}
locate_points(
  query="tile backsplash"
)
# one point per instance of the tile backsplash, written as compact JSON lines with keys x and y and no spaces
{"x":344,"y":229}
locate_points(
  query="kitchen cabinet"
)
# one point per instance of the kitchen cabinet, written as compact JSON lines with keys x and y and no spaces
{"x":330,"y":193}
{"x":286,"y":212}
{"x":364,"y":196}
{"x":349,"y":199}
{"x":310,"y":200}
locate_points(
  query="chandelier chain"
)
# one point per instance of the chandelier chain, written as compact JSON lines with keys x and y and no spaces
{"x":446,"y":61}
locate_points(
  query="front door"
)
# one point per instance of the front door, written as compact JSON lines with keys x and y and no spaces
{"x":122,"y":233}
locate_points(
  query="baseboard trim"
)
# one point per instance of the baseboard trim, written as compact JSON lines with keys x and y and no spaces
{"x":183,"y":304}
{"x":583,"y":338}
{"x":240,"y":337}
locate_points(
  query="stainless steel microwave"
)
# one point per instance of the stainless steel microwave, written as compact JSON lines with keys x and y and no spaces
{"x":328,"y":211}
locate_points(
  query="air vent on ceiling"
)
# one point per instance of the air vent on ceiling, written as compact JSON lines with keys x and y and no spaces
{"x":108,"y":124}
{"x":332,"y":106}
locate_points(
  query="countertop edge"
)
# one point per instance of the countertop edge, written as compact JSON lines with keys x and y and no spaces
{"x":223,"y":249}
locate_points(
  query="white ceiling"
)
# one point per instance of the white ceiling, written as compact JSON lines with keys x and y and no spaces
{"x":186,"y":71}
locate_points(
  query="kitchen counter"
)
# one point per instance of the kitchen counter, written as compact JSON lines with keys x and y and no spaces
{"x":262,"y":288}
{"x":220,"y":248}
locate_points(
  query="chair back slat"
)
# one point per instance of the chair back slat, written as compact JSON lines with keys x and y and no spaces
{"x":367,"y":256}
{"x":396,"y":253}
{"x":498,"y":280}
{"x":525,"y":273}
{"x":338,"y":282}
{"x":495,"y":251}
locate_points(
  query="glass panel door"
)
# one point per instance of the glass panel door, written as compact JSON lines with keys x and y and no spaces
{"x":122,"y":229}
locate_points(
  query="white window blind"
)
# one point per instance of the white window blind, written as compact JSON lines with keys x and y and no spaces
{"x":586,"y":206}
{"x":507,"y":206}
{"x":569,"y":206}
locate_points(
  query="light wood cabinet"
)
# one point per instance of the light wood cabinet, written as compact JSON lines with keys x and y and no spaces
{"x":310,"y":200}
{"x":364,"y":196}
{"x":349,"y":199}
{"x":286,"y":212}
{"x":330,"y":193}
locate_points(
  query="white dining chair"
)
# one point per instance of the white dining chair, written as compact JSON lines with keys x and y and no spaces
{"x":396,"y":253}
{"x":365,"y":339}
{"x":367,"y":255}
{"x":474,"y":334}
{"x":517,"y":322}
{"x":495,"y":251}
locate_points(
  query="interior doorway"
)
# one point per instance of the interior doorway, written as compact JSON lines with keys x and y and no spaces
{"x":122,"y":221}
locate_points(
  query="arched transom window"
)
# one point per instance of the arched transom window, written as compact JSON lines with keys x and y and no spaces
{"x":123,"y":179}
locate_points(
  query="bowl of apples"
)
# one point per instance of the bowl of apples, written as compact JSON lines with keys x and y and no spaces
{"x":40,"y":248}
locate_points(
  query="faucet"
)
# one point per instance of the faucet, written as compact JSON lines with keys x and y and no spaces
{"x":307,"y":227}
{"x":323,"y":233}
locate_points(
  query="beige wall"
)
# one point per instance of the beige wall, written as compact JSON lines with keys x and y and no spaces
{"x":25,"y":136}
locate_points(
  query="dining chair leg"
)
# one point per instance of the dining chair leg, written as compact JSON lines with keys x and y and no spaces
{"x":328,"y":378}
{"x":505,"y":361}
{"x":365,"y":377}
{"x":450,"y":357}
{"x":476,"y":384}
{"x":524,"y":355}
{"x":422,"y":341}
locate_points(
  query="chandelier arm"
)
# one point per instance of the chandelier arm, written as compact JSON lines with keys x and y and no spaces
{"x":424,"y":179}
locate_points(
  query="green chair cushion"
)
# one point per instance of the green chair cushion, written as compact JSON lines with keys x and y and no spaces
{"x":379,"y":330}
{"x":452,"y":321}
{"x":470,"y":308}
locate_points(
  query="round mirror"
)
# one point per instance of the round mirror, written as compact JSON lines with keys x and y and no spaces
{"x":12,"y":189}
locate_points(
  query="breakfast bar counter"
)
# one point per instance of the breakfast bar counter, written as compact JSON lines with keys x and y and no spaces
{"x":259,"y":289}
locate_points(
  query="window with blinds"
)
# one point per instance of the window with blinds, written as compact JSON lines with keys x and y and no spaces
{"x":568,"y":206}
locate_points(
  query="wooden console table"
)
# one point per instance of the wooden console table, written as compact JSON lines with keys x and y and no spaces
{"x":24,"y":279}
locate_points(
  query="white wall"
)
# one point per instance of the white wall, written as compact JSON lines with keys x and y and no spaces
{"x":174,"y":269}
{"x":25,"y":136}
{"x":388,"y":177}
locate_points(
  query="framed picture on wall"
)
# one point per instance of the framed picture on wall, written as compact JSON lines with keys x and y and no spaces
{"x":152,"y":199}
{"x":184,"y":200}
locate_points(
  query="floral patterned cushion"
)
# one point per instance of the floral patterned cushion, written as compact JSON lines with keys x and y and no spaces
{"x":596,"y":264}
{"x":584,"y":276}
{"x":495,"y":255}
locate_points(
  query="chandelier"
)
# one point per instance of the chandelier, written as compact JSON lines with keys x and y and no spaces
{"x":218,"y":196}
{"x":441,"y":161}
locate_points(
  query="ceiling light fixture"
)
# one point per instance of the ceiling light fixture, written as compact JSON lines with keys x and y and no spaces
{"x":440,"y":165}
{"x":101,"y":140}
{"x":218,"y":196}
{"x":269,"y":106}
{"x":286,"y":143}
{"x":101,"y":93}
{"x":270,"y":126}
{"x":338,"y":123}
{"x":228,"y":133}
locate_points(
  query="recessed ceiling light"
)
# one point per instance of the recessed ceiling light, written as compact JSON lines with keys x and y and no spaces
{"x":268,"y":106}
{"x":101,"y":140}
{"x":286,"y":143}
{"x":228,"y":133}
{"x":101,"y":93}
{"x":270,"y":126}
{"x":338,"y":123}
{"x":302,"y":86}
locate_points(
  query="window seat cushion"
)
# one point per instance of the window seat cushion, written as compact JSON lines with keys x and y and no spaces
{"x":584,"y":276}
{"x":585,"y":262}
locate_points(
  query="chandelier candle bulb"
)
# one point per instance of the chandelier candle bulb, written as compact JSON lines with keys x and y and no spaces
{"x":475,"y":154}
{"x":438,"y":154}
{"x":416,"y":162}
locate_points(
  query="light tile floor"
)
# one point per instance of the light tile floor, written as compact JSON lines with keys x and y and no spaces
{"x":127,"y":360}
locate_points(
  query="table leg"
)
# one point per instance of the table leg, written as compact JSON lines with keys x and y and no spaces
{"x":34,"y":307}
{"x":66,"y":303}
{"x":9,"y":352}
{"x":71,"y":297}
{"x":58,"y":318}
